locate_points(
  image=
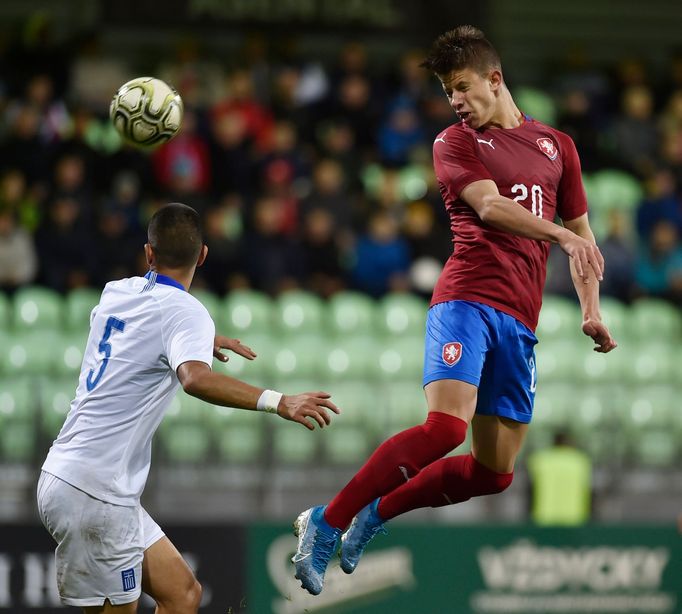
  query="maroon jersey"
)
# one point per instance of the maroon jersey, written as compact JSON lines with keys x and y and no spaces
{"x":535,"y":165}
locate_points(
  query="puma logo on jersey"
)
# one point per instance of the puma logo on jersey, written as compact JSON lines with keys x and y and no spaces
{"x":489,"y":143}
{"x":440,"y":139}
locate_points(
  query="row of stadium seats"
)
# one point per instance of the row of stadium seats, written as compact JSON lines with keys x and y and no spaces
{"x":614,"y":424}
{"x":367,"y":358}
{"x":345,"y":314}
{"x":295,"y":312}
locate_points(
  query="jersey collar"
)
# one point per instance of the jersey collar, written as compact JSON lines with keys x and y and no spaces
{"x":158,"y":278}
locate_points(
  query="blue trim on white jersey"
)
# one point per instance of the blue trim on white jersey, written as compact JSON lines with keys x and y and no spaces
{"x":157,"y":278}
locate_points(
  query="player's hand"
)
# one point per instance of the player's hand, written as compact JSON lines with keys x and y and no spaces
{"x":585,"y":254}
{"x":313,"y":405}
{"x":600,"y":335}
{"x":234,"y":345}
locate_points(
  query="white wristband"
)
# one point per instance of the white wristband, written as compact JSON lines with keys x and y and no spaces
{"x":269,"y":401}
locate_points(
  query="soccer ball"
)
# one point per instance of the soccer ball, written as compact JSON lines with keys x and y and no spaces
{"x":146,"y":112}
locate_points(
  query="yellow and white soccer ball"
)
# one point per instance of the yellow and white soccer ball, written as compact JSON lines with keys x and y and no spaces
{"x":146,"y":112}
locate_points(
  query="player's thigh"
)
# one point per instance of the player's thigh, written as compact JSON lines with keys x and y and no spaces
{"x":107,"y":608}
{"x":166,"y":576}
{"x":497,"y":441}
{"x":452,"y":397}
{"x":456,"y":342}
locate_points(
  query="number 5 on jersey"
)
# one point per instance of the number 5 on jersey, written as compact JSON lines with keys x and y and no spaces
{"x":104,"y":348}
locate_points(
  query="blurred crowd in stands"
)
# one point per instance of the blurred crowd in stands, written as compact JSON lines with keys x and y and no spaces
{"x":307,"y":173}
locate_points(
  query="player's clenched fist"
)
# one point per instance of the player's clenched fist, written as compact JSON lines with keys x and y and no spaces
{"x":299,"y":407}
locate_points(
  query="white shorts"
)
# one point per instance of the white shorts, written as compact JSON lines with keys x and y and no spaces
{"x":100,"y":546}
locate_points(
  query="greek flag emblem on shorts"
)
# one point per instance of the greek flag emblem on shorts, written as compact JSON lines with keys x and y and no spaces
{"x":128,"y":579}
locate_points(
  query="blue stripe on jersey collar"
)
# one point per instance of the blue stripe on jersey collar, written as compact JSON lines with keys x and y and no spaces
{"x":164,"y":279}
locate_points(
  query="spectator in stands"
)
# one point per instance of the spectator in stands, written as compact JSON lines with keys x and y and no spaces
{"x":272,"y":259}
{"x":381,"y":258}
{"x":223,"y":234}
{"x":71,"y":182}
{"x":66,"y":248}
{"x":18,"y":259}
{"x":661,"y":203}
{"x":23,"y":148}
{"x":330,"y":191}
{"x":634,"y":132}
{"x":619,"y":254}
{"x":400,"y":133}
{"x":182,"y":166}
{"x":322,"y":253}
{"x":561,"y":484}
{"x":576,"y":118}
{"x":659,"y":264}
{"x":14,"y":195}
{"x":429,"y":244}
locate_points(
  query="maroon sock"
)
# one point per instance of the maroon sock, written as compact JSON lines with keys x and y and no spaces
{"x":447,"y":481}
{"x":395,"y":461}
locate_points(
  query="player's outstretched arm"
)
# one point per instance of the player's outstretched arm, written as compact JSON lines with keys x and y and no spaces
{"x":505,"y":214}
{"x":198,"y":380}
{"x":588,"y":292}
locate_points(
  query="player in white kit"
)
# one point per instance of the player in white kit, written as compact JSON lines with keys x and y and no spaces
{"x":148,"y":336}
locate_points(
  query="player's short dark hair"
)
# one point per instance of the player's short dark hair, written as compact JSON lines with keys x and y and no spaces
{"x":463,"y":47}
{"x":174,"y":232}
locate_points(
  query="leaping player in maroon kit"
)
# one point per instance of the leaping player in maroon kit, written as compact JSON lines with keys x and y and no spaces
{"x":504,"y":177}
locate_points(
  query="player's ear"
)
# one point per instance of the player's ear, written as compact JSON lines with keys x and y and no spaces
{"x":202,"y":255}
{"x":149,"y":254}
{"x":495,"y":79}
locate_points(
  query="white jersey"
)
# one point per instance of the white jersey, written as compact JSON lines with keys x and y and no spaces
{"x":143,"y":329}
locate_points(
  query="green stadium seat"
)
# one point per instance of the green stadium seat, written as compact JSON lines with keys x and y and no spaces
{"x":5,"y":312}
{"x":652,"y":363}
{"x":35,"y":308}
{"x":347,"y":444}
{"x":558,"y":360}
{"x":551,"y":413}
{"x":350,"y":313}
{"x":17,"y":421}
{"x":594,"y":425}
{"x":298,"y":312}
{"x":55,"y":401}
{"x":251,"y":371}
{"x":78,"y":305}
{"x":405,"y":406}
{"x":68,"y":353}
{"x":655,"y":319}
{"x":246,"y":311}
{"x":560,"y":318}
{"x":536,"y":103}
{"x":614,"y":189}
{"x":350,"y":357}
{"x":360,"y":404}
{"x":29,"y":353}
{"x":184,"y":432}
{"x":597,"y":368}
{"x":294,"y":358}
{"x":401,"y":315}
{"x":293,"y":444}
{"x":401,"y":359}
{"x":653,"y":427}
{"x":240,"y":442}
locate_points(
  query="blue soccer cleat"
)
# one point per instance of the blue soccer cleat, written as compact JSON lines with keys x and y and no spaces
{"x":364,"y":527}
{"x":317,"y":543}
